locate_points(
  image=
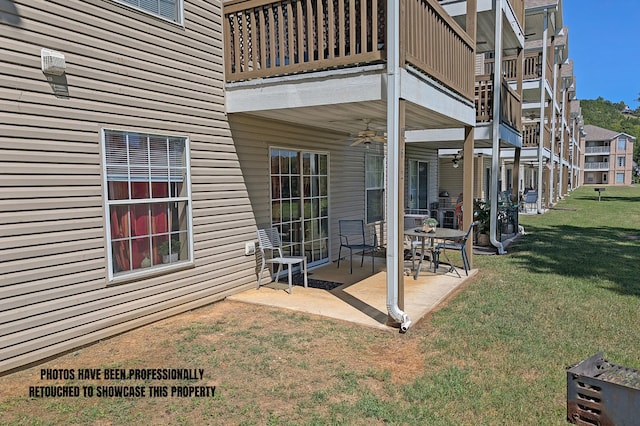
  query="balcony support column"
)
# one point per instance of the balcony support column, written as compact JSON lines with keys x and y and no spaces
{"x":553,"y":192}
{"x":469,"y":144}
{"x":495,"y":154}
{"x":545,"y":34}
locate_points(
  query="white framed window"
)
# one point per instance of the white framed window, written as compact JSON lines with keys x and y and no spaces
{"x":167,"y":9}
{"x":374,"y":187}
{"x":621,"y":161}
{"x":147,"y":192}
{"x":622,"y":143}
{"x":619,"y":177}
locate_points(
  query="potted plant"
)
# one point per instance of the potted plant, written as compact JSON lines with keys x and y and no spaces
{"x":169,"y":257}
{"x":429,"y":225}
{"x":482,"y":215}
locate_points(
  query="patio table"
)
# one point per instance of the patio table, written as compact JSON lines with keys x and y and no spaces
{"x":439,"y":234}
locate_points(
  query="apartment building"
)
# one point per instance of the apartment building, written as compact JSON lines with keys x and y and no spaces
{"x":137,"y":130}
{"x":498,"y":108}
{"x":607,"y":157}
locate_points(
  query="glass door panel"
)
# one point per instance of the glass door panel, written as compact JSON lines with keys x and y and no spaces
{"x":299,"y":202}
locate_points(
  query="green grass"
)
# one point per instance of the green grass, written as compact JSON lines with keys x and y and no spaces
{"x":496,"y":354}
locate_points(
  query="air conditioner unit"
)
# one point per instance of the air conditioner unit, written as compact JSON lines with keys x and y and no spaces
{"x":52,"y":62}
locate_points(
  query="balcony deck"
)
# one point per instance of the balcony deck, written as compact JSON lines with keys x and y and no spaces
{"x":279,"y":38}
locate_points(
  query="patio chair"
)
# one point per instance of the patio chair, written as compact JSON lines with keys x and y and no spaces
{"x":459,"y":245}
{"x":352,"y":237}
{"x":530,"y":201}
{"x":414,"y":243}
{"x":269,"y":239}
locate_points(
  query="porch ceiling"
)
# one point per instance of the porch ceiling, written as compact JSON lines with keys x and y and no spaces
{"x":344,"y":102}
{"x":349,"y":118}
{"x":486,"y":25}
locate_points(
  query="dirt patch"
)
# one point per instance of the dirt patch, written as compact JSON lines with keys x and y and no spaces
{"x":261,"y":360}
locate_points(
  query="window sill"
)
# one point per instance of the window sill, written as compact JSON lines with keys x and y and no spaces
{"x":149,"y":273}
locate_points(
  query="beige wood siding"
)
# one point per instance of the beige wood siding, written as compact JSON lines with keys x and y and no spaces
{"x":125,"y":70}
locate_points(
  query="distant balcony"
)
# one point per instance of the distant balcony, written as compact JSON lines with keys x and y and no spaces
{"x":510,"y":102}
{"x":267,"y":38}
{"x":597,"y":150}
{"x":596,"y":165}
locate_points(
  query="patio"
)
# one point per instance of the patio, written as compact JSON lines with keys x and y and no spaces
{"x":362,"y":297}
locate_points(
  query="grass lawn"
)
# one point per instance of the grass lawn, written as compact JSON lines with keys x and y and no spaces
{"x":495,"y":354}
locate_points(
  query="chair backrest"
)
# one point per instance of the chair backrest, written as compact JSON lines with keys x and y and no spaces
{"x":351,"y":231}
{"x":269,"y":239}
{"x":466,"y":236}
{"x":531,"y":197}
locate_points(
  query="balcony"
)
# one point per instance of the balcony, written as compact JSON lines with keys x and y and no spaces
{"x":599,"y":150}
{"x":510,"y":102}
{"x":282,"y":38}
{"x":596,"y":165}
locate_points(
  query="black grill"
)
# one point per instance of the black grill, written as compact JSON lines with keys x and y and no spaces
{"x":601,"y":393}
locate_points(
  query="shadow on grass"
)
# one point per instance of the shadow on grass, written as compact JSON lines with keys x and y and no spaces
{"x":606,"y":253}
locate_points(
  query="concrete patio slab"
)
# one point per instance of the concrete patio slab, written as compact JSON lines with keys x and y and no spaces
{"x":362,"y":298}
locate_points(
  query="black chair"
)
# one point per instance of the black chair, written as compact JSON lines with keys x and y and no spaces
{"x":459,"y":245}
{"x":352,"y":237}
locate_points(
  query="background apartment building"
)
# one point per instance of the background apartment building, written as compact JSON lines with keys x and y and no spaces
{"x":607,"y":157}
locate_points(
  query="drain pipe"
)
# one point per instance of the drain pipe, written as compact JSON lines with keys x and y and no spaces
{"x":393,"y":180}
{"x":495,"y":153}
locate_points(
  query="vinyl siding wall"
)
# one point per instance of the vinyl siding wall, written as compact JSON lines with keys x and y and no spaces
{"x":125,"y":70}
{"x":255,"y":136}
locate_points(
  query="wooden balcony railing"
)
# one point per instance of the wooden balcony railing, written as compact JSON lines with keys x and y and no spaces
{"x":435,"y":43}
{"x":266,"y":38}
{"x":484,"y":98}
{"x":518,"y":10}
{"x":531,"y":135}
{"x":510,"y":106}
{"x":531,"y":68}
{"x":510,"y":102}
{"x":532,"y":65}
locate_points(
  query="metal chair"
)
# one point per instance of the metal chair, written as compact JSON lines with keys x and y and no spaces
{"x":269,"y":239}
{"x":530,"y":201}
{"x":412,"y":244}
{"x":459,"y":245}
{"x":352,"y":237}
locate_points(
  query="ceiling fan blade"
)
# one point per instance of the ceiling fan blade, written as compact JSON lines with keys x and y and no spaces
{"x":357,"y":142}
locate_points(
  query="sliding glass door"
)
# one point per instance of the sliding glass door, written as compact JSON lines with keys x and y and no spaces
{"x":300,"y":202}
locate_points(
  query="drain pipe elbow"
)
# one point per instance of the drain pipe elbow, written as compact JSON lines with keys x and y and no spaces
{"x":399,"y":316}
{"x":497,"y":244}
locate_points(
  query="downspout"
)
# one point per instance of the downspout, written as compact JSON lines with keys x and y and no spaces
{"x":393,"y":152}
{"x":542,"y":98}
{"x":495,"y":153}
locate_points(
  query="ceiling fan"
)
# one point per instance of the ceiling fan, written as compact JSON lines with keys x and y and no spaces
{"x":367,"y":136}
